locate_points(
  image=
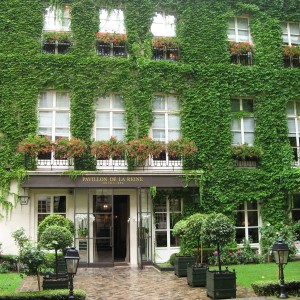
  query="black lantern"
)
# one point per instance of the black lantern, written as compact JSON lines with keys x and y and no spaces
{"x":281,"y":254}
{"x":72,"y":259}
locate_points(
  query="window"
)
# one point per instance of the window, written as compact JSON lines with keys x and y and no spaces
{"x":54,"y":114}
{"x":110,"y":118}
{"x":291,"y":33}
{"x":296,"y":208}
{"x":167,"y":213}
{"x":293,"y":110}
{"x":238,"y":30}
{"x":163,"y":25}
{"x":166,"y":125}
{"x":242,"y":124}
{"x":247,"y":222}
{"x":57,"y":20}
{"x":112,"y":21}
{"x":47,"y":205}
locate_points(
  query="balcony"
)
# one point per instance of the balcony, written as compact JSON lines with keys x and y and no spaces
{"x":56,"y":42}
{"x":291,"y":61}
{"x":245,"y":59}
{"x":241,"y":53}
{"x":112,"y":49}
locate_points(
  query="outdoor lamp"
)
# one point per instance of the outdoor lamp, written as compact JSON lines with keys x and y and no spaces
{"x":72,"y":259}
{"x":281,"y":254}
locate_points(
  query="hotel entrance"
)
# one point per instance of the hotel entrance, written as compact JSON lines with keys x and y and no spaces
{"x":104,"y":221}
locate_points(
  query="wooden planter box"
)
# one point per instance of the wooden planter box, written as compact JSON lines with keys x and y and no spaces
{"x":196,"y":276}
{"x":221,"y":285}
{"x":181,"y":263}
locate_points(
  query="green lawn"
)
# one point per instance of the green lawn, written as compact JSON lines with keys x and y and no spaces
{"x":246,"y":274}
{"x":9,"y":282}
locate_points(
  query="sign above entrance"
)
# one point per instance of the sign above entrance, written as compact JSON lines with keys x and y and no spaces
{"x":101,"y":181}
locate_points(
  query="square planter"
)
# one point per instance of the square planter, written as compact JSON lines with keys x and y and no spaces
{"x":53,"y":283}
{"x":221,"y":285}
{"x":196,"y":275}
{"x":181,"y":263}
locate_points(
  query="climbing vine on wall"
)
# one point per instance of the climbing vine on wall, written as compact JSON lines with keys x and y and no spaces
{"x":203,"y":78}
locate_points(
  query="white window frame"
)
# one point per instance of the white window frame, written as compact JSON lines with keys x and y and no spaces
{"x":241,"y":121}
{"x":293,"y":117}
{"x":166,"y":26}
{"x":247,"y":226}
{"x":288,"y":34}
{"x":53,"y":21}
{"x":168,"y":222}
{"x":54,"y":109}
{"x":107,"y":18}
{"x":112,"y":111}
{"x":237,"y":29}
{"x":39,"y":197}
{"x":166,"y":112}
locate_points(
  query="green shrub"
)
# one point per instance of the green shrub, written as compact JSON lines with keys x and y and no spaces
{"x":9,"y":261}
{"x":42,"y":295}
{"x":57,"y":220}
{"x":270,"y":288}
{"x":172,"y":258}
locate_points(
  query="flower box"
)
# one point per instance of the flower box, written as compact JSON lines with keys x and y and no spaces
{"x":181,"y":263}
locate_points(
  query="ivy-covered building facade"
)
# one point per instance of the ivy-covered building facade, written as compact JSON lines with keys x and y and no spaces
{"x":127,"y":116}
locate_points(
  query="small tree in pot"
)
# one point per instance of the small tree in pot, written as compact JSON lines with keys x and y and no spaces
{"x":184,"y":258}
{"x":218,"y":230}
{"x":196,"y":274}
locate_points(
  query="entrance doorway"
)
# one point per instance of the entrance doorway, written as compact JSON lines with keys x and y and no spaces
{"x":121,"y":228}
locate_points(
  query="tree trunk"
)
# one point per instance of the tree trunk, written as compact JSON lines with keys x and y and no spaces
{"x":219,"y":258}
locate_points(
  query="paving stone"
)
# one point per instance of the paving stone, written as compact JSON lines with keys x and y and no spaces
{"x":127,"y":283}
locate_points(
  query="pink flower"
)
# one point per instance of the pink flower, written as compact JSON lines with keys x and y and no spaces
{"x":257,"y":251}
{"x":215,"y":252}
{"x":238,"y":252}
{"x":230,"y":253}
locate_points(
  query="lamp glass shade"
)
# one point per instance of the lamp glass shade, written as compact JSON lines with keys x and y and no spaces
{"x":72,"y":259}
{"x":281,"y":252}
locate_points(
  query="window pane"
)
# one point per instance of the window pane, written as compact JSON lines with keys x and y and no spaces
{"x":102,"y":119}
{"x":44,"y":204}
{"x":248,"y":105}
{"x":252,"y":218}
{"x":240,"y":235}
{"x":249,"y":138}
{"x":252,"y":205}
{"x":174,"y":122}
{"x":118,"y":120}
{"x":102,"y":134}
{"x":175,"y":242}
{"x":284,"y":28}
{"x":62,"y":119}
{"x":159,"y":135}
{"x":119,"y":134}
{"x":102,"y":103}
{"x":290,"y":108}
{"x":231,"y":23}
{"x":242,"y":23}
{"x":59,"y":204}
{"x":173,"y":103}
{"x":112,"y":21}
{"x":159,"y":121}
{"x":295,"y":39}
{"x":117,"y":102}
{"x":173,"y":135}
{"x":294,"y":28}
{"x":175,"y":205}
{"x":253,"y":234}
{"x":231,"y":34}
{"x":249,"y":124}
{"x":240,"y":219}
{"x":296,"y":201}
{"x":62,"y":99}
{"x":236,"y":138}
{"x":159,"y":103}
{"x":174,"y":218}
{"x":243,"y":36}
{"x":236,"y":124}
{"x":45,"y":119}
{"x":296,"y":215}
{"x":46,"y":100}
{"x":161,"y":239}
{"x":291,"y":125}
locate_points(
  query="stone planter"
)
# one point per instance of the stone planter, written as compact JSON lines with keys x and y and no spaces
{"x":181,"y":263}
{"x":221,"y":285}
{"x":196,"y":275}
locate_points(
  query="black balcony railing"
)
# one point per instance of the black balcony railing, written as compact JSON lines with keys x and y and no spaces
{"x":245,"y":59}
{"x":291,"y":61}
{"x":166,"y":53}
{"x":111,"y":49}
{"x":56,"y":48}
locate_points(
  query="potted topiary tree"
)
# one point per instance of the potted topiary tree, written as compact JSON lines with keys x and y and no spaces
{"x":184,"y":258}
{"x":218,"y":230}
{"x":56,"y":238}
{"x":196,"y":273}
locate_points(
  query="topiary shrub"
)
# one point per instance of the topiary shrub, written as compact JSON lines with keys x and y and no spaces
{"x":218,"y":230}
{"x":56,"y":238}
{"x":58,"y":220}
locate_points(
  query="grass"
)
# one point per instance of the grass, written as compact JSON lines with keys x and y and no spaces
{"x":246,"y":274}
{"x":9,"y":282}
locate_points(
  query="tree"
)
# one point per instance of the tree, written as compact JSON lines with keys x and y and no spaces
{"x":179,"y":231}
{"x":194,"y":230}
{"x":57,"y":238}
{"x":21,"y":240}
{"x":218,"y":230}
